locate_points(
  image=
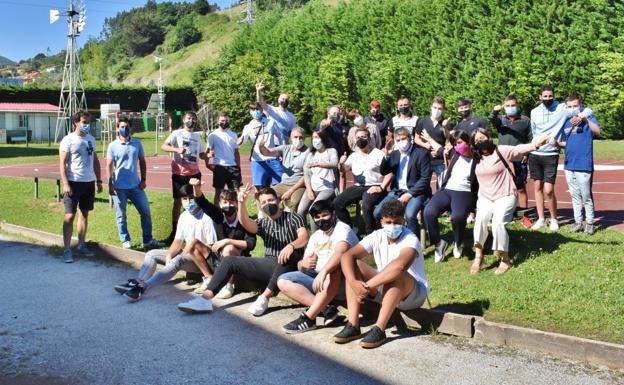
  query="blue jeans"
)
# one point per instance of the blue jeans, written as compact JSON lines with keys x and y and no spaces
{"x":414,"y":205}
{"x":139,"y":200}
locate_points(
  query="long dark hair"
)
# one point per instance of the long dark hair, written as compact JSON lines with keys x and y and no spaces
{"x":324,"y":135}
{"x":476,"y":155}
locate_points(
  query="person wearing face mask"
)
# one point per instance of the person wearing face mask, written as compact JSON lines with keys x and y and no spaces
{"x":577,"y":137}
{"x":546,"y":119}
{"x":186,"y":148}
{"x":233,"y":239}
{"x":497,"y":193}
{"x":398,"y":279}
{"x":377,"y":118}
{"x":513,"y":129}
{"x":359,"y":122}
{"x":468,"y":122}
{"x":431,"y":133}
{"x":284,"y":235}
{"x":125,"y":183}
{"x":79,"y":169}
{"x":370,"y":186}
{"x":320,"y":173}
{"x":457,"y":194}
{"x":411,"y":167}
{"x":283,"y":119}
{"x":337,"y":130}
{"x":224,"y":156}
{"x":318,"y":277}
{"x":196,"y":231}
{"x":292,"y":187}
{"x":403,"y":119}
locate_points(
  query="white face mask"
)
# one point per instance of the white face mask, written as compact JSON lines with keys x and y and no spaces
{"x":298,"y":143}
{"x":358,"y":121}
{"x":436,"y":113}
{"x":403,"y":145}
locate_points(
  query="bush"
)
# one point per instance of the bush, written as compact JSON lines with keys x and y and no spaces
{"x":184,"y":34}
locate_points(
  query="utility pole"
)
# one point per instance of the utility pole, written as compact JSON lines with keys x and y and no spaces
{"x":250,"y":17}
{"x":160,"y":119}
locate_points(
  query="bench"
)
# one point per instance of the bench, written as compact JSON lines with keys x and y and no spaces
{"x":18,"y":135}
{"x":46,"y":175}
{"x":17,"y":139}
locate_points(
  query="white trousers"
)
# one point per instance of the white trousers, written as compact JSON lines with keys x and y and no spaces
{"x":501,"y":212}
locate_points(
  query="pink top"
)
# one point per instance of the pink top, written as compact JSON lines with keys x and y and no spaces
{"x":494,"y":180}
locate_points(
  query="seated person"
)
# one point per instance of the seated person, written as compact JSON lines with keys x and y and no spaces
{"x":318,"y":278}
{"x":369,"y":185}
{"x":195,"y":229}
{"x":411,"y":166}
{"x":293,"y":156}
{"x":284,"y":235}
{"x":398,"y":281}
{"x":233,"y":240}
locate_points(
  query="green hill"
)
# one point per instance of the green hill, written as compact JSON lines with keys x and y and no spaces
{"x":4,"y":62}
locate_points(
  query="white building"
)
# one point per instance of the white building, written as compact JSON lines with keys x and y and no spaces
{"x":38,"y":118}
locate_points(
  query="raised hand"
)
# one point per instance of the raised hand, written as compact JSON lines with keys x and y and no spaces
{"x":244,"y":193}
{"x":259,"y":85}
{"x":389,"y":147}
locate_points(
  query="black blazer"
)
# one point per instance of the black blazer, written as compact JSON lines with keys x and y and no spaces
{"x":418,"y":170}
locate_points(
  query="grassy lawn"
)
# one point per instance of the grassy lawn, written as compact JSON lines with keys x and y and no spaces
{"x":561,"y":282}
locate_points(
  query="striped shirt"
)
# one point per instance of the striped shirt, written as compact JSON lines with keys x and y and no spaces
{"x":276,"y":234}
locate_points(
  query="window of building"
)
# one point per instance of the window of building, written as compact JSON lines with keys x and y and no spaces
{"x":23,"y":121}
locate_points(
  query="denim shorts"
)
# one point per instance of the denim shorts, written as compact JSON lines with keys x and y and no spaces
{"x":304,"y":278}
{"x":413,"y":301}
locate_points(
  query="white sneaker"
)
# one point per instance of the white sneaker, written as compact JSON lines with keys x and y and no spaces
{"x":457,"y":251}
{"x":554,"y":225}
{"x":198,"y":304}
{"x":539,"y":224}
{"x":227,"y":291}
{"x":260,"y":306}
{"x":126,"y":245}
{"x":439,"y":251}
{"x":203,"y":286}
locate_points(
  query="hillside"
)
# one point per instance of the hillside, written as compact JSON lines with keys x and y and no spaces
{"x":4,"y":62}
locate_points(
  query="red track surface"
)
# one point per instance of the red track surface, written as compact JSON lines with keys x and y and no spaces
{"x":608,"y":186}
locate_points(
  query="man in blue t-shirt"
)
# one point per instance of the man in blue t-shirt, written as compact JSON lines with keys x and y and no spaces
{"x":577,"y":136}
{"x":124,"y":183}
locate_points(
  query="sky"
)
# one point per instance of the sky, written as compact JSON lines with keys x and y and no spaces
{"x":25,"y":29}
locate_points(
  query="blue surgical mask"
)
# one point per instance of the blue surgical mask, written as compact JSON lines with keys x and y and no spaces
{"x":511,"y":111}
{"x":190,"y":206}
{"x":393,"y":231}
{"x":256,"y":114}
{"x":572,"y":112}
{"x":317,"y":143}
{"x":85,"y":128}
{"x":125,"y":132}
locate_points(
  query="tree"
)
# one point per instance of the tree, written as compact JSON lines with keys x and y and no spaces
{"x":202,"y":7}
{"x":184,"y":34}
{"x":143,"y":35}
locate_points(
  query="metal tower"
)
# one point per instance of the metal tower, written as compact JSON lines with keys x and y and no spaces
{"x":72,"y":98}
{"x":250,"y":17}
{"x":160,"y":124}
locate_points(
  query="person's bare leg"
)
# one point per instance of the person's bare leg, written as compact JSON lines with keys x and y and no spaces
{"x":323,"y":298}
{"x":394,"y":292}
{"x":523,"y":199}
{"x":363,"y":272}
{"x":83,"y":221}
{"x":505,"y":263}
{"x":68,"y":229}
{"x":198,"y":252}
{"x":476,"y":265}
{"x":539,"y":198}
{"x":549,"y":193}
{"x":296,"y":292}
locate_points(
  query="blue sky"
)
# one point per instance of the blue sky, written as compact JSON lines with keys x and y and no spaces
{"x":25,"y":29}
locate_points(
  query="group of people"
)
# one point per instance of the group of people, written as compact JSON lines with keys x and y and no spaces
{"x":391,"y":162}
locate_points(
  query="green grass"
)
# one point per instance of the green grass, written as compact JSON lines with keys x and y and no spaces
{"x":560,"y":282}
{"x":609,"y":149}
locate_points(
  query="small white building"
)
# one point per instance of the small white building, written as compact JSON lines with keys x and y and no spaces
{"x":38,"y":118}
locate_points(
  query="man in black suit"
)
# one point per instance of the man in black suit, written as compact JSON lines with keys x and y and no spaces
{"x":411,"y":166}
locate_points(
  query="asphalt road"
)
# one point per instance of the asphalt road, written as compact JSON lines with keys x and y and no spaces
{"x":64,"y":324}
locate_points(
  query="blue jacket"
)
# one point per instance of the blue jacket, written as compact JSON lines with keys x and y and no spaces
{"x":418,"y":170}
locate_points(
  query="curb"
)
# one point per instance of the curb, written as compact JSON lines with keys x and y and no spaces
{"x":469,"y":326}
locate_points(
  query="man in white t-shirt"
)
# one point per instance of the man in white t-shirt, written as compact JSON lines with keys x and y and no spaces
{"x":318,"y":278}
{"x":398,"y":281}
{"x":224,"y":158}
{"x":186,"y":148}
{"x":195,"y":230}
{"x":79,"y":169}
{"x":283,"y":119}
{"x":370,"y":186}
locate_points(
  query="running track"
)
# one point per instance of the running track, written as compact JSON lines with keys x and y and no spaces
{"x":608,"y":185}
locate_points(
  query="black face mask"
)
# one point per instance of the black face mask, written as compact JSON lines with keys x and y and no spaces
{"x":270,"y":209}
{"x":228,"y":210}
{"x":325,"y":224}
{"x":224,"y":125}
{"x":361,"y":143}
{"x":548,"y":102}
{"x":404,"y":110}
{"x":375,"y":114}
{"x":485,"y":146}
{"x":466,"y":113}
{"x":283,"y":103}
{"x":334,"y":118}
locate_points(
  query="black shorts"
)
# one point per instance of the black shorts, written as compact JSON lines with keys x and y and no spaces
{"x":544,"y":167}
{"x":521,"y":171}
{"x":83,"y":196}
{"x":226,"y":175}
{"x":177,"y":181}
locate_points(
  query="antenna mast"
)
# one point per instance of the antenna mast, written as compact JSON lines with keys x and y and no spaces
{"x":250,"y":17}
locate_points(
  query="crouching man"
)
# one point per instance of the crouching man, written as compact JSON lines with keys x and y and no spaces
{"x":397,"y":282}
{"x":195,"y":229}
{"x":318,"y":278}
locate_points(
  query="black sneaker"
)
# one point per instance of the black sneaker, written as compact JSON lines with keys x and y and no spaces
{"x":135,"y":293}
{"x":374,"y":338}
{"x":300,"y":325}
{"x":124,"y":287}
{"x":348,"y":334}
{"x":330,"y":315}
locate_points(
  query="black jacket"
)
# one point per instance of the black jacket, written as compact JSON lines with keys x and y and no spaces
{"x":474,"y":184}
{"x":418,"y":170}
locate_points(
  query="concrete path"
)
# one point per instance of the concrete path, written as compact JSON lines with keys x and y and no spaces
{"x":64,"y":324}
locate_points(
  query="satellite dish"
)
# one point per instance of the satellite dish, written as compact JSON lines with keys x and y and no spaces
{"x":54,"y":15}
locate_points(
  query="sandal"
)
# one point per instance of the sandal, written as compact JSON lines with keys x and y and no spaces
{"x":475,"y":268}
{"x":504,"y":266}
